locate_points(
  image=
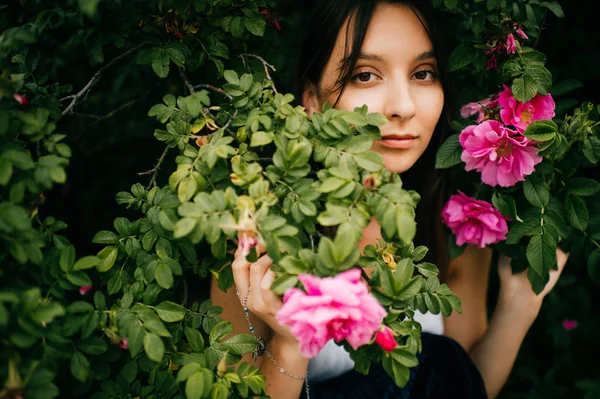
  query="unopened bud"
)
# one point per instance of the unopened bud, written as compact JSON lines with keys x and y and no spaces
{"x":389,"y":261}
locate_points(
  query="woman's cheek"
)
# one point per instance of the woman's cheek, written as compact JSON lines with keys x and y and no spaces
{"x":353,"y":98}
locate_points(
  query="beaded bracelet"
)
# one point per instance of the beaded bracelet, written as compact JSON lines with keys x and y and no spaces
{"x":261,"y":348}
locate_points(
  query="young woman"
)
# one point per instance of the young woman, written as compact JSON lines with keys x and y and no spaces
{"x":384,"y":54}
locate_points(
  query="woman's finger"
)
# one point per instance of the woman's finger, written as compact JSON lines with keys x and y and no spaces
{"x":241,"y":275}
{"x":265,"y":288}
{"x":561,"y":259}
{"x":258,"y":270}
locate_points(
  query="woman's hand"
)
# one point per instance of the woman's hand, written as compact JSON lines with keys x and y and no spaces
{"x":260,"y":301}
{"x":516,"y":291}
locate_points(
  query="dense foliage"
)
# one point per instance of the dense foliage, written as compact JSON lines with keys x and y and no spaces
{"x":78,"y":79}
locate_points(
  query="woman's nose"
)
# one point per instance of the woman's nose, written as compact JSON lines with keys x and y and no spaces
{"x":399,"y":102}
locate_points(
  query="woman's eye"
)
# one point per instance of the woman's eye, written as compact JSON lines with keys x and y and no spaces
{"x":425,"y":75}
{"x":364,"y":77}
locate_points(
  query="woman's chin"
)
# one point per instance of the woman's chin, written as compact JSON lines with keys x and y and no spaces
{"x":397,"y":165}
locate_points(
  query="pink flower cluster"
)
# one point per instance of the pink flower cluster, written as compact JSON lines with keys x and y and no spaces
{"x":339,"y":308}
{"x":503,"y":155}
{"x":474,"y":221}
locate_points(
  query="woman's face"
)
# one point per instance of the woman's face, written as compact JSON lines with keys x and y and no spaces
{"x":395,"y":75}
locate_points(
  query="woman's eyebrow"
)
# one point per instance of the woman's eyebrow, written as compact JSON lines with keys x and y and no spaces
{"x":371,"y":57}
{"x":425,"y":55}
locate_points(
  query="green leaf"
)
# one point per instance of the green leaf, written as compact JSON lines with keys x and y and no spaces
{"x":543,"y":130}
{"x":529,"y":226}
{"x":163,"y":275}
{"x":195,"y":339}
{"x":107,"y":262}
{"x":582,"y":186}
{"x":220,"y":331}
{"x":187,"y":371}
{"x":404,"y":357}
{"x":160,"y":64}
{"x":593,"y":265}
{"x":577,"y":212}
{"x":231,"y":77}
{"x":92,"y":345}
{"x":105,"y":237}
{"x":541,"y":253}
{"x":536,"y":191}
{"x":331,"y":184}
{"x":240,"y":344}
{"x":261,"y":138}
{"x":450,"y":4}
{"x":194,"y":386}
{"x":256,"y":26}
{"x":154,"y":347}
{"x":237,"y":27}
{"x":80,"y":366}
{"x":170,"y":311}
{"x":524,"y":88}
{"x":541,"y":75}
{"x":449,"y":153}
{"x":79,"y":278}
{"x":505,"y":204}
{"x":88,"y":7}
{"x":370,"y":161}
{"x":554,"y":7}
{"x":67,"y":258}
{"x":186,"y":189}
{"x":405,"y":224}
{"x":462,"y":55}
{"x":87,"y":262}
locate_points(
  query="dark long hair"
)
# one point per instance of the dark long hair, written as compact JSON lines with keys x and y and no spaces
{"x":325,"y":22}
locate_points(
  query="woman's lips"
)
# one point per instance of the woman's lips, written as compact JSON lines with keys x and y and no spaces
{"x":397,"y":142}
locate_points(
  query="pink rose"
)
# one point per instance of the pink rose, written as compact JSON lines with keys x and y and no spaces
{"x":521,"y":34}
{"x":478,"y":108}
{"x":503,"y":156}
{"x":519,"y":114}
{"x":385,"y":339}
{"x":124,"y":344}
{"x":339,"y":308}
{"x":84,"y":290}
{"x":568,"y":325}
{"x":511,"y":46}
{"x":474,"y":221}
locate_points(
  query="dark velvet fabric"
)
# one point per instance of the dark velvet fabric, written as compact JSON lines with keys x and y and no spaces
{"x":445,"y":370}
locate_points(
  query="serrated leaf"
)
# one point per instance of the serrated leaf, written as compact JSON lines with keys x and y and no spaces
{"x":462,"y":55}
{"x":577,"y":212}
{"x":370,"y":161}
{"x":449,"y":153}
{"x":543,"y":130}
{"x":536,"y":191}
{"x":582,"y":186}
{"x":80,"y":366}
{"x":170,"y":311}
{"x":541,"y":253}
{"x":524,"y":88}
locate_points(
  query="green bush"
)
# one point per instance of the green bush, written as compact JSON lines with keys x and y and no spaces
{"x":79,"y":80}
